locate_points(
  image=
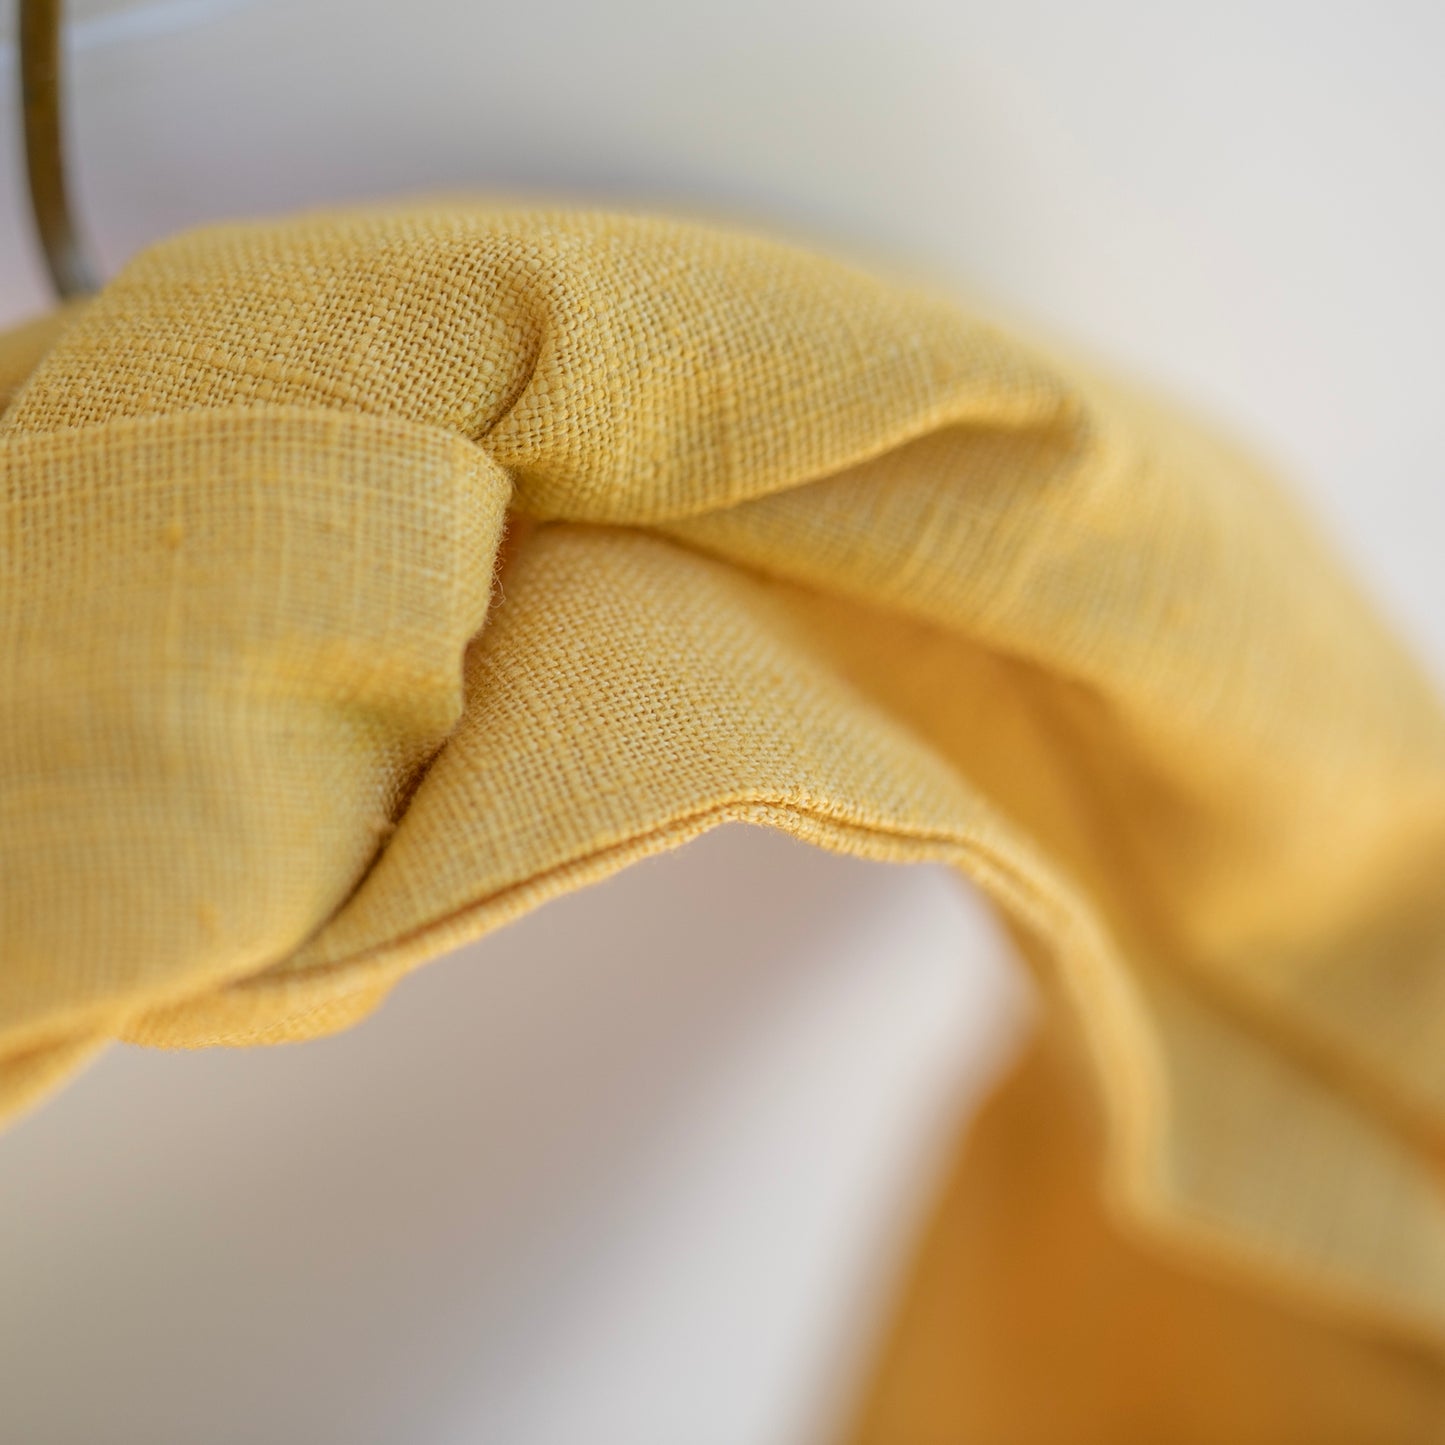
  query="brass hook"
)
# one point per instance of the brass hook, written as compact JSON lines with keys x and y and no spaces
{"x":72,"y":272}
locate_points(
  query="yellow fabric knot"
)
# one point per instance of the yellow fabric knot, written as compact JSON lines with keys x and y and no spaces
{"x":786,"y":545}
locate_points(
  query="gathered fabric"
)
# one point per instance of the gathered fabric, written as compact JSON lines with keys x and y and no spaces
{"x":369,"y":578}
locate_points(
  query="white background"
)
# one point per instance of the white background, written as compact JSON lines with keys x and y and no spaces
{"x":630,"y":1171}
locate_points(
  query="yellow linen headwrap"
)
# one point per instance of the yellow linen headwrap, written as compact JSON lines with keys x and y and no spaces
{"x":367,"y":579}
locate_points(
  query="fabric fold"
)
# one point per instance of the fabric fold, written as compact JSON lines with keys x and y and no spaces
{"x":278,"y":720}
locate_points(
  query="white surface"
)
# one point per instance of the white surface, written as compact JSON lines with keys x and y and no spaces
{"x":616,"y":1174}
{"x":653,"y":1238}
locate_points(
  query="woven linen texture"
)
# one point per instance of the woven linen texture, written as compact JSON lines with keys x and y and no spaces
{"x":370,"y":578}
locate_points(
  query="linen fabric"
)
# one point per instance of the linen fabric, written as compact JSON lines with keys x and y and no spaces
{"x":369,"y":578}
